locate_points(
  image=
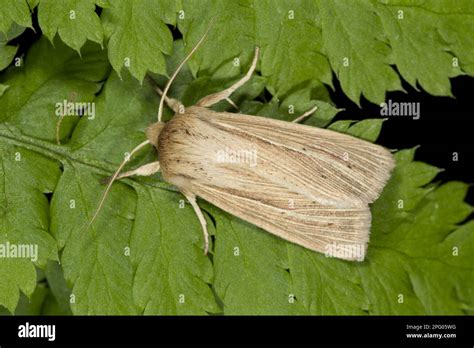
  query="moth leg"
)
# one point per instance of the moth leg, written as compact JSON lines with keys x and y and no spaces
{"x":172,"y":103}
{"x":217,"y":97}
{"x":233,"y":104}
{"x":306,"y":114}
{"x":192,"y":199}
{"x":145,"y":170}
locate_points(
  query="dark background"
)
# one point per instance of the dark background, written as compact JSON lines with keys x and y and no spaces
{"x":260,"y":330}
{"x":445,"y":126}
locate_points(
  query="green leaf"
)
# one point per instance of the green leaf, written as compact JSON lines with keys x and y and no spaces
{"x":74,"y":21}
{"x":33,"y":3}
{"x":137,"y":35}
{"x":341,"y":126}
{"x":303,"y":100}
{"x":93,"y":259}
{"x":251,"y":269}
{"x":30,"y":306}
{"x":7,"y":53}
{"x":456,"y":30}
{"x":48,"y":77}
{"x":292,"y":107}
{"x":226,"y":21}
{"x":58,"y":301}
{"x":14,"y":11}
{"x":3,"y":88}
{"x":25,"y":178}
{"x":164,"y":242}
{"x":358,"y":55}
{"x":368,"y":129}
{"x":414,"y":40}
{"x":297,"y":61}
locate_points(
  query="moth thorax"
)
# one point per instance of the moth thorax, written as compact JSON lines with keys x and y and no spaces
{"x":153,"y":131}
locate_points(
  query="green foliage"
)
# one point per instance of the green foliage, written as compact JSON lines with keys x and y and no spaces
{"x":14,"y":11}
{"x":47,"y":79}
{"x":24,"y":177}
{"x":428,"y":41}
{"x":8,"y":52}
{"x":144,"y":253}
{"x":74,"y":21}
{"x":137,"y":35}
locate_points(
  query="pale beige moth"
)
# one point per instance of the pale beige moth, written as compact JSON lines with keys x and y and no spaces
{"x":307,"y":185}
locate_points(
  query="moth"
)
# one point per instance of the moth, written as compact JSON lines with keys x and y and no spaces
{"x":307,"y":185}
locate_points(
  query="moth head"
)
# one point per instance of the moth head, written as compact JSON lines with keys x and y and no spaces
{"x":153,"y":132}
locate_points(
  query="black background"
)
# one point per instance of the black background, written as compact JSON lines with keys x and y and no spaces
{"x":445,"y":126}
{"x":231,"y":329}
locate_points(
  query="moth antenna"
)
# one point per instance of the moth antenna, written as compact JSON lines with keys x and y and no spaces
{"x":117,"y":172}
{"x":178,"y":69}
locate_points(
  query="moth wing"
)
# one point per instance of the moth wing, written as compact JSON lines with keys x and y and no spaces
{"x":277,"y":182}
{"x":338,"y":232}
{"x":331,"y":167}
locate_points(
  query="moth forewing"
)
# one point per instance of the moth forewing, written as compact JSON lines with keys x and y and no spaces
{"x":334,"y":168}
{"x":306,"y":185}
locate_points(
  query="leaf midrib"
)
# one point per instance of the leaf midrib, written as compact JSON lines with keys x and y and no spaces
{"x":9,"y":134}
